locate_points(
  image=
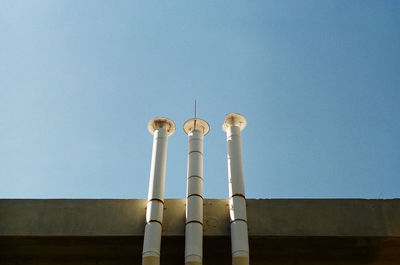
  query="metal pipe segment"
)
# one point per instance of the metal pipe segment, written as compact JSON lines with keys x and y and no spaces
{"x":195,"y":129}
{"x":233,"y":124}
{"x":161,"y":128}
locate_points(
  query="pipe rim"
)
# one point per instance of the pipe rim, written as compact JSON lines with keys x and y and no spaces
{"x":189,"y":125}
{"x":161,"y":122}
{"x":234,"y":119}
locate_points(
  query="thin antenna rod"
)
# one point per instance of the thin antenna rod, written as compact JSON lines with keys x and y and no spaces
{"x":195,"y":114}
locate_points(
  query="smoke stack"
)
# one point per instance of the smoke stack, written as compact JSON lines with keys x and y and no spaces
{"x":161,"y":128}
{"x":195,"y":129}
{"x":233,"y":124}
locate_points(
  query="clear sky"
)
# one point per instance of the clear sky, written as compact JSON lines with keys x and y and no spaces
{"x":318,"y":81}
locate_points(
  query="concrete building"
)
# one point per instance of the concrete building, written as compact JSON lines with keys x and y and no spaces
{"x":281,"y":231}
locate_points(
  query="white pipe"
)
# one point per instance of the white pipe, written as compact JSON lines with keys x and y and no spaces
{"x":161,"y":128}
{"x":237,"y":208}
{"x":193,"y":244}
{"x":152,"y":243}
{"x":195,"y":129}
{"x":235,"y":166}
{"x":240,"y":245}
{"x":154,"y":211}
{"x":195,"y":186}
{"x":195,"y":163}
{"x":194,"y":208}
{"x":233,"y":124}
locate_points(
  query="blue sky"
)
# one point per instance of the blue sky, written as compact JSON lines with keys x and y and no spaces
{"x":318,"y":82}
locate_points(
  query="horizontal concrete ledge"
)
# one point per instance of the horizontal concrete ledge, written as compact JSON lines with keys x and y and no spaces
{"x":266,"y":217}
{"x":127,"y":250}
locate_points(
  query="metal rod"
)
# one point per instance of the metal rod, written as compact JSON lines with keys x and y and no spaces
{"x":195,"y":114}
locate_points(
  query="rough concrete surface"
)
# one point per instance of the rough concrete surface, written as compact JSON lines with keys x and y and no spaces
{"x":281,"y":231}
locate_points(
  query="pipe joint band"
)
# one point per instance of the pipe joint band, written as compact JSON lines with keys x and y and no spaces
{"x":156,"y":199}
{"x":195,"y":176}
{"x":154,"y":221}
{"x":194,"y":221}
{"x":151,"y":254}
{"x":239,"y":219}
{"x":194,"y":194}
{"x":237,"y":194}
{"x":195,"y":151}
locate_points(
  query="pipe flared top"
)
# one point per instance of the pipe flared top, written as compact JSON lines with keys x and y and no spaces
{"x":161,"y":122}
{"x":201,"y":125}
{"x":234,"y":119}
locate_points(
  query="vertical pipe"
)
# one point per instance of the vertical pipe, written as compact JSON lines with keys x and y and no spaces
{"x":195,"y":129}
{"x":161,"y":128}
{"x":233,"y":124}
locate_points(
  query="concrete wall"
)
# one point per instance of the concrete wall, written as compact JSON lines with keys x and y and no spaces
{"x":281,"y":231}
